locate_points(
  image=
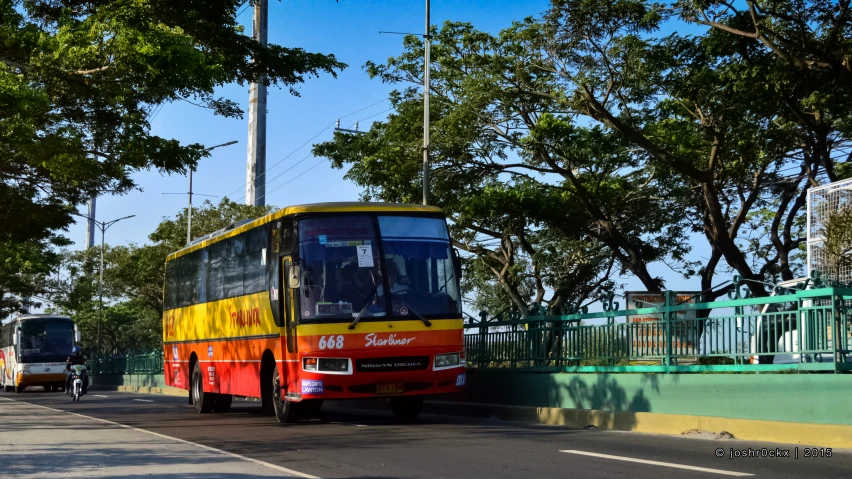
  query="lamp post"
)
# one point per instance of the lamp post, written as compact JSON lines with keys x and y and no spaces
{"x":103,"y":226}
{"x":189,"y":208}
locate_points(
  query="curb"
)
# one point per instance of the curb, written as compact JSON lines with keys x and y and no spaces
{"x":812,"y":434}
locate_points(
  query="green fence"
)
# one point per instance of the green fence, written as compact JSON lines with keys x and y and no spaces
{"x":791,"y":330}
{"x":130,"y":364}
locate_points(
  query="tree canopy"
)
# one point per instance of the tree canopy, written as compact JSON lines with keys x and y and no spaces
{"x":78,"y":80}
{"x":585,"y":139}
{"x":134,"y":276}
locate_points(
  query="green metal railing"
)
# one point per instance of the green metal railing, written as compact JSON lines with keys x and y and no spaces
{"x":802,"y":330}
{"x":151,"y":363}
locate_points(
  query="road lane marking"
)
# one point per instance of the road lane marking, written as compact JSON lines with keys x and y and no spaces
{"x":657,"y":463}
{"x":100,"y":396}
{"x":184,"y":441}
{"x":143,"y":400}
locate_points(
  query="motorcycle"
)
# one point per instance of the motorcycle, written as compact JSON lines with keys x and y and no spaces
{"x":78,"y":375}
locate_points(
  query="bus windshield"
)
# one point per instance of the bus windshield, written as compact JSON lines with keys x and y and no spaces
{"x":350,"y":262}
{"x":46,"y":340}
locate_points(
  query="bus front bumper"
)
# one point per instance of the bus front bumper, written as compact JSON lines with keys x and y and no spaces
{"x":39,"y":379}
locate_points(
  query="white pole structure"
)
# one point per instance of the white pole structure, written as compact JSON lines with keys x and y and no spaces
{"x":256,"y":161}
{"x":90,"y":223}
{"x":427,"y":40}
{"x":189,"y":211}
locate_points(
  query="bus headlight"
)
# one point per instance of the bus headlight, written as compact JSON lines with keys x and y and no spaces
{"x":333,"y":365}
{"x":327,"y":365}
{"x":446,"y":360}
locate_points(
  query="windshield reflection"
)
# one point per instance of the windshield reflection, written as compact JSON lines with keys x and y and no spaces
{"x":347,"y":267}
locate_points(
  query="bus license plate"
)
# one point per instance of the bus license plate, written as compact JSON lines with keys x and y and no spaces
{"x":389,"y":388}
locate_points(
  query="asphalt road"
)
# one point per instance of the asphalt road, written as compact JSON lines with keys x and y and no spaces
{"x":349,"y":443}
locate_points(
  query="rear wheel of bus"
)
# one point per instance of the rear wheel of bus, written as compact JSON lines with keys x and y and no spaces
{"x":406,"y":408}
{"x":202,"y":401}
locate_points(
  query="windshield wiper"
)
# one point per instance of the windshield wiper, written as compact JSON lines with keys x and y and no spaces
{"x":364,"y":309}
{"x":425,"y":321}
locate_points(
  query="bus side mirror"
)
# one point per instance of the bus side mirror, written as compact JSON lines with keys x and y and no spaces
{"x":294,"y":276}
{"x":15,"y":339}
{"x":77,"y":336}
{"x":457,"y":263}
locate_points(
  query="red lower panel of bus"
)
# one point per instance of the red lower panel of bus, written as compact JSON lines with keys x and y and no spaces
{"x":233,"y":367}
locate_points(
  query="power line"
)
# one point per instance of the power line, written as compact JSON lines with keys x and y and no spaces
{"x":297,"y":176}
{"x":371,"y":116}
{"x":243,"y":10}
{"x":261,"y":175}
{"x":285,"y":171}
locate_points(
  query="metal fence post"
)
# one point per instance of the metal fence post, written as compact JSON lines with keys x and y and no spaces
{"x":667,"y":315}
{"x":483,"y":336}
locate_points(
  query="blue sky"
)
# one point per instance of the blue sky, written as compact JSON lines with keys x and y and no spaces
{"x":349,"y":29}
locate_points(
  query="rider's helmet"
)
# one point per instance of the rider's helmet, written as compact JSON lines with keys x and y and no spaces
{"x":76,"y":351}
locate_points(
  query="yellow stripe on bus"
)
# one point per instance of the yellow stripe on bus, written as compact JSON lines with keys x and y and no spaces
{"x":249,"y":315}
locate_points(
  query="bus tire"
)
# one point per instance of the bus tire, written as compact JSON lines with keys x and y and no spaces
{"x":406,"y":408}
{"x":202,"y":401}
{"x":223,"y":403}
{"x":19,"y":389}
{"x":284,"y":410}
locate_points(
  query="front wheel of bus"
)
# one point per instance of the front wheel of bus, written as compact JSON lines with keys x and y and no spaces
{"x":406,"y":408}
{"x":283,"y":407}
{"x":202,"y":401}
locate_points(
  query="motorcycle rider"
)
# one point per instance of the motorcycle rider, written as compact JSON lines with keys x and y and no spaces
{"x":75,"y":358}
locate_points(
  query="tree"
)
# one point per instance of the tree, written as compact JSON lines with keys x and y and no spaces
{"x":588,"y":124}
{"x":134,"y":276}
{"x":812,"y":35}
{"x":78,"y":80}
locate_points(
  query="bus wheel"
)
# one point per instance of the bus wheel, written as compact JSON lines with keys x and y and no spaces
{"x":223,"y":403}
{"x":202,"y":401}
{"x":406,"y":408}
{"x":284,"y":410}
{"x":20,"y":389}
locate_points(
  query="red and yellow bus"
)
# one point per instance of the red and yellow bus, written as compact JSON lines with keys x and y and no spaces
{"x":313,"y":302}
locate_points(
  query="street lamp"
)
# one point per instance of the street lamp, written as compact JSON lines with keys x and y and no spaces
{"x":189,"y":208}
{"x":103,"y":226}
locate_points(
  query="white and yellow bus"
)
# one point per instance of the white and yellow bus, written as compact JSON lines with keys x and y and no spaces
{"x":33,"y":350}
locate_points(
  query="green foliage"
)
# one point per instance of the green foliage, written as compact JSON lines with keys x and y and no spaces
{"x":589,"y":130}
{"x":78,"y":80}
{"x":133,"y":280}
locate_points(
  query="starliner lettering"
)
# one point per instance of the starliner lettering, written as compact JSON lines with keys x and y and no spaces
{"x":245,"y":318}
{"x":374,"y":340}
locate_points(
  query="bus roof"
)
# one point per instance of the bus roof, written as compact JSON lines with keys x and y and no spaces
{"x":338,"y":207}
{"x":25,"y":317}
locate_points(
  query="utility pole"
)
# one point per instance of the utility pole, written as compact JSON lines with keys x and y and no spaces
{"x":256,"y":162}
{"x":427,"y":40}
{"x":90,"y":223}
